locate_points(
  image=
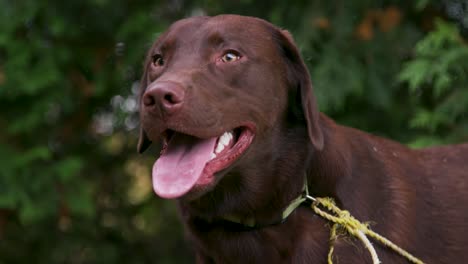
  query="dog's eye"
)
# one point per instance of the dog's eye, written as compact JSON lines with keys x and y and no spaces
{"x":158,"y":60}
{"x":230,"y":56}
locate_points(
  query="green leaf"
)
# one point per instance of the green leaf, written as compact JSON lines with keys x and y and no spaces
{"x":79,"y":199}
{"x":422,"y":119}
{"x":416,"y":73}
{"x":426,"y":141}
{"x":444,"y":35}
{"x":442,"y":83}
{"x":421,"y":4}
{"x":8,"y":200}
{"x":39,"y":153}
{"x":68,"y":168}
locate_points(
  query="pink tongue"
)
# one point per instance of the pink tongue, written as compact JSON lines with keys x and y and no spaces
{"x":181,"y":165}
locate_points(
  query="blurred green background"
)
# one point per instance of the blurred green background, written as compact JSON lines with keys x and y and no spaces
{"x":73,"y":189}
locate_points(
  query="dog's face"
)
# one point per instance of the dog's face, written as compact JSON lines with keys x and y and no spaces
{"x":216,"y":91}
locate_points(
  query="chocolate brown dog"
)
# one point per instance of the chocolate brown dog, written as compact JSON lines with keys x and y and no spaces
{"x":232,"y":102}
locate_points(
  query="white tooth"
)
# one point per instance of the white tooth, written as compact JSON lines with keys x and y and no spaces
{"x":228,"y":136}
{"x":219,"y":148}
{"x":223,"y":141}
{"x":213,"y":156}
{"x":224,"y":138}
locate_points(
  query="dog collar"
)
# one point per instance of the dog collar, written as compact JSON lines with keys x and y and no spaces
{"x":251,"y":223}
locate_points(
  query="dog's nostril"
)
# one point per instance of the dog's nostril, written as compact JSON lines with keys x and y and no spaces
{"x":172,"y":98}
{"x":148,"y":100}
{"x":169,"y":98}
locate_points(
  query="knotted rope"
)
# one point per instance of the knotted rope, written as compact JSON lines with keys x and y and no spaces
{"x":342,"y":218}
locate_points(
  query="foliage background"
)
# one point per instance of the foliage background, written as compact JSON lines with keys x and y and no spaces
{"x":73,"y":189}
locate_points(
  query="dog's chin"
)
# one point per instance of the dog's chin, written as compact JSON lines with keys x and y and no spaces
{"x":201,"y":189}
{"x":190,"y":167}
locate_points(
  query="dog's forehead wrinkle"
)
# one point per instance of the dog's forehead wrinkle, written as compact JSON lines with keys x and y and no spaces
{"x":187,"y":24}
{"x":185,"y":39}
{"x":230,"y":29}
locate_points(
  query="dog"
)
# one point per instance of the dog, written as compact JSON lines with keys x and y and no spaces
{"x":231,"y":101}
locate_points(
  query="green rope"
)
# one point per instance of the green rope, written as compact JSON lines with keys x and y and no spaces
{"x":355,"y":228}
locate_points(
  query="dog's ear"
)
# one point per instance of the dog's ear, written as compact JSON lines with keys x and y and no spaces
{"x":143,"y":142}
{"x":299,"y":78}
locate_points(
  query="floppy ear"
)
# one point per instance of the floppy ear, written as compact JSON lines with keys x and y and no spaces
{"x":143,"y":142}
{"x":299,"y":77}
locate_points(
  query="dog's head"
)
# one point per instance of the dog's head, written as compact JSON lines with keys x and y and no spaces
{"x":223,"y":94}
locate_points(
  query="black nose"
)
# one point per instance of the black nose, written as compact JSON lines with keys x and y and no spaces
{"x":167,"y":96}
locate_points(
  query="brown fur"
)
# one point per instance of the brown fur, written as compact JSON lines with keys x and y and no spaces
{"x":416,"y":198}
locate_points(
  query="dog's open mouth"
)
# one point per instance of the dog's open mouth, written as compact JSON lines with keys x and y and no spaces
{"x":188,"y":162}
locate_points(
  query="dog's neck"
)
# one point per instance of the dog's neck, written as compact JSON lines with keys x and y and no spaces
{"x":242,"y":222}
{"x":252,"y":223}
{"x":349,"y":170}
